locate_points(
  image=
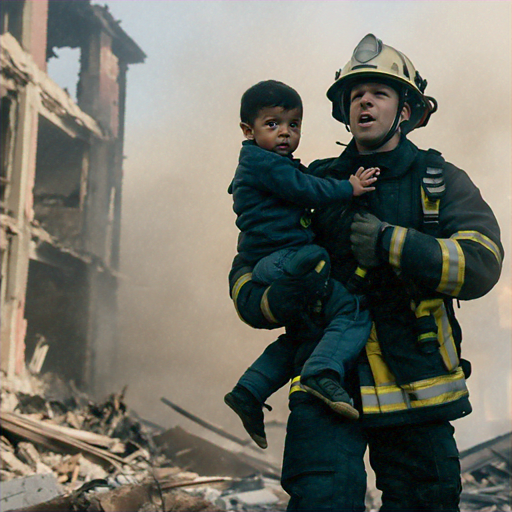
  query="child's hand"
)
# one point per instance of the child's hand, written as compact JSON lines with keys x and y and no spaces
{"x":363,"y":179}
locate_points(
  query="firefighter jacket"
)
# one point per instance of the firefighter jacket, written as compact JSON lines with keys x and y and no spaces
{"x":411,"y":370}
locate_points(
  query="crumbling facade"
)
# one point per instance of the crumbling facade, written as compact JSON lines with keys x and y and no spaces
{"x":61,"y":188}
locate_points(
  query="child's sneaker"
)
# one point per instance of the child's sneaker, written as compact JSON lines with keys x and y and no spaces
{"x":329,"y":390}
{"x":250,"y":412}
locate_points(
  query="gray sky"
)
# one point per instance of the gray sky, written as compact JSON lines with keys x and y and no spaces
{"x":180,"y":336}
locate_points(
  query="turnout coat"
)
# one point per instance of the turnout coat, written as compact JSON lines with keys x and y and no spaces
{"x":443,"y":244}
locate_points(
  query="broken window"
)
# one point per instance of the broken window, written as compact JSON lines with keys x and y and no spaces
{"x":64,"y":69}
{"x":56,"y":311}
{"x":68,"y":34}
{"x":60,"y":183}
{"x":7,"y":113}
{"x":12,"y":17}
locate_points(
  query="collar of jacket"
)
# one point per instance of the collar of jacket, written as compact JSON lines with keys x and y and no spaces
{"x":392,"y":164}
{"x":296,"y":161}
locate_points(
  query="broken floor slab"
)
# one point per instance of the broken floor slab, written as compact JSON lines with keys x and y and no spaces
{"x":19,"y":69}
{"x":27,"y":491}
{"x":196,"y":454}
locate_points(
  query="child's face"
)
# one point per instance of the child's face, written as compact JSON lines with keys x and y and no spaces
{"x":275,"y":129}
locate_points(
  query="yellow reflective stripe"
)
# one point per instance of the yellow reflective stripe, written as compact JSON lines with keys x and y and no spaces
{"x":427,"y":306}
{"x":477,"y":237}
{"x":238,"y":285}
{"x":245,"y":278}
{"x":452,"y":274}
{"x":361,"y":272}
{"x":295,"y":385}
{"x":428,"y":392}
{"x":265,"y":308}
{"x":396,"y":246}
{"x":380,"y":402}
{"x":320,"y":266}
{"x":390,"y":398}
{"x":430,"y":208}
{"x":427,"y":336}
{"x":445,"y":337}
{"x":381,"y":373}
{"x":418,"y":386}
{"x":450,"y":396}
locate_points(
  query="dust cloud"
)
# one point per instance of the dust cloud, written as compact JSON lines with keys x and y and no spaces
{"x":180,"y":336}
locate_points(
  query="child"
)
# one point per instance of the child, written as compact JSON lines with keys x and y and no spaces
{"x":271,"y":194}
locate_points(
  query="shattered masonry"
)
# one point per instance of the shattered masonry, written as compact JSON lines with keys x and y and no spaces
{"x":61,"y":185}
{"x":59,"y":450}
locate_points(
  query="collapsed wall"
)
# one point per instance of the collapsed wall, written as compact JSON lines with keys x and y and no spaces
{"x":61,"y":177}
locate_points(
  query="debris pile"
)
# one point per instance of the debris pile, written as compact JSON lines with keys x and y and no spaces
{"x":62,"y":451}
{"x":486,"y":476}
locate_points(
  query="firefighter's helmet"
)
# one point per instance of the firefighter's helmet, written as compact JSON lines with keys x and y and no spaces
{"x":373,"y":60}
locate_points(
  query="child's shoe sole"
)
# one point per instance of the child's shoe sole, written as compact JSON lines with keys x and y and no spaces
{"x":341,"y":408}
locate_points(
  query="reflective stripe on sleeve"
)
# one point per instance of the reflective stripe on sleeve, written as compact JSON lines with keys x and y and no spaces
{"x":477,"y":237}
{"x":243,"y":279}
{"x":296,"y":385}
{"x":396,"y":246}
{"x":265,"y":308}
{"x":452,"y":275}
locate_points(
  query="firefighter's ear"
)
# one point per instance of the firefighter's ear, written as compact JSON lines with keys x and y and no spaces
{"x":405,"y":115}
{"x":247,"y":130}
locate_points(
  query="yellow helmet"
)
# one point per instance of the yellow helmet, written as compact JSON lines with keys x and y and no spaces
{"x":373,"y":60}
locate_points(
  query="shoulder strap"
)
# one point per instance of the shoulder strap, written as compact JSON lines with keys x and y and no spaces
{"x":432,"y":190}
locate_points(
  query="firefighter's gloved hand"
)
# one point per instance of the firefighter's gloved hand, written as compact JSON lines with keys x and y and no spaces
{"x":290,"y":297}
{"x":366,"y":233}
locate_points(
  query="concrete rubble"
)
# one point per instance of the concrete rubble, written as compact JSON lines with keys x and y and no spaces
{"x":487,"y":476}
{"x":62,"y":451}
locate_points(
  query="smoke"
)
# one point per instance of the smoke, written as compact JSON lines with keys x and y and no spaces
{"x":180,"y":336}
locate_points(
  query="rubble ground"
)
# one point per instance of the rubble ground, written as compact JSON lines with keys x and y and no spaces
{"x":62,"y":451}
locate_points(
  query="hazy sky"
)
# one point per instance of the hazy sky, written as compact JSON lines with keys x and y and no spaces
{"x":180,"y":336}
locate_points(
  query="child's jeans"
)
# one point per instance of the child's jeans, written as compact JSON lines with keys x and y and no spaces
{"x":347,"y":331}
{"x":273,"y":266}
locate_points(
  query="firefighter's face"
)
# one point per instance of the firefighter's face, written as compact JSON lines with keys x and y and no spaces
{"x":373,"y":109}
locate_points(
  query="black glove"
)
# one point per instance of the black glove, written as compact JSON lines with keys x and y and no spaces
{"x":290,"y":298}
{"x":366,"y":232}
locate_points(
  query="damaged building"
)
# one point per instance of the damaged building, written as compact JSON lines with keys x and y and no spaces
{"x":61,"y":188}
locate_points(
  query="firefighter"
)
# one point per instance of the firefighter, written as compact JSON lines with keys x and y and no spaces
{"x":425,"y":237}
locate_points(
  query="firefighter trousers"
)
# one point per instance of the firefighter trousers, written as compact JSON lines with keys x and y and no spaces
{"x":417,"y":466}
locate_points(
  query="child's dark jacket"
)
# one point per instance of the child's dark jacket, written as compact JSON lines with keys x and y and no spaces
{"x":270,"y":196}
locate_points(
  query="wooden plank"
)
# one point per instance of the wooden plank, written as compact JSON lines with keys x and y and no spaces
{"x":41,"y":433}
{"x":205,"y":424}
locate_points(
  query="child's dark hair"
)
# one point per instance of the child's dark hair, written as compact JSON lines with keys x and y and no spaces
{"x":269,"y":93}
